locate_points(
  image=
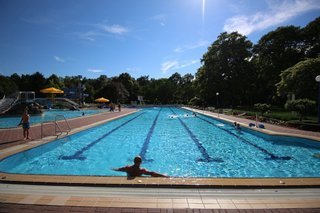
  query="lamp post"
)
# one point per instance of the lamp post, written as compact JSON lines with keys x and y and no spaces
{"x":318,"y":80}
{"x":217,"y":94}
{"x":79,"y":89}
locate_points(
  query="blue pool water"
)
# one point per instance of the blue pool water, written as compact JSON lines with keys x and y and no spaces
{"x":13,"y":121}
{"x":171,"y":141}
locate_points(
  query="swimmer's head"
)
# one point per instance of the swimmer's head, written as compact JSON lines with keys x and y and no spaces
{"x":137,"y":160}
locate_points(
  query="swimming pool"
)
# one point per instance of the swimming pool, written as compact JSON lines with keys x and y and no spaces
{"x":174,"y":142}
{"x":49,"y":115}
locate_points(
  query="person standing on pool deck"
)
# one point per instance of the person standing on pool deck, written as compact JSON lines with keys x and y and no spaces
{"x":135,"y":170}
{"x":25,"y":121}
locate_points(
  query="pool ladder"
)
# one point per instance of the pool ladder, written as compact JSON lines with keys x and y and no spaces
{"x":57,"y":127}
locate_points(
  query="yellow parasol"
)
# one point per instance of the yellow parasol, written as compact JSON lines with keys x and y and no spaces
{"x":52,"y":91}
{"x":102,"y":100}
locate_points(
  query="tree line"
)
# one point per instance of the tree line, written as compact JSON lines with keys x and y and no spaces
{"x":233,"y":72}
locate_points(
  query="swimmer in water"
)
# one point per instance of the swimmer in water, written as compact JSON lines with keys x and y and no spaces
{"x":135,"y":170}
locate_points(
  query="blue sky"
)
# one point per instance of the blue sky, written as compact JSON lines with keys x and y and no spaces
{"x":141,"y":37}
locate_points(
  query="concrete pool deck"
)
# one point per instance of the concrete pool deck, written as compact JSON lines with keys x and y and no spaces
{"x":11,"y":143}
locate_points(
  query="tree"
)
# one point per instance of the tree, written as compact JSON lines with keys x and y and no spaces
{"x":34,"y":82}
{"x":130,"y":84}
{"x":311,"y":35}
{"x":7,"y":86}
{"x":143,"y":81}
{"x":164,"y":91}
{"x":55,"y":81}
{"x":16,"y":79}
{"x":89,"y":91}
{"x":226,"y":69}
{"x":187,"y":88}
{"x":100,"y":82}
{"x":300,"y":80}
{"x":176,"y":80}
{"x":195,"y":101}
{"x":276,"y":51}
{"x":301,"y":106}
{"x":262,"y":108}
{"x":159,"y":91}
{"x":115,"y":91}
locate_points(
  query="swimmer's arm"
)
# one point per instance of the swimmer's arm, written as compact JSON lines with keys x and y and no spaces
{"x":121,"y":169}
{"x":153,"y":174}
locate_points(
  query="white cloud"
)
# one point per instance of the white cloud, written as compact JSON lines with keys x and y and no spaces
{"x":200,"y":43}
{"x":169,"y":65}
{"x":58,"y":59}
{"x":277,"y":13}
{"x":95,"y":70}
{"x":113,"y":29}
{"x":161,"y":18}
{"x":103,"y":30}
{"x":174,"y":65}
{"x":90,"y":35}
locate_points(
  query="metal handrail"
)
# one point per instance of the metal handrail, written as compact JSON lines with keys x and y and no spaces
{"x":57,"y":124}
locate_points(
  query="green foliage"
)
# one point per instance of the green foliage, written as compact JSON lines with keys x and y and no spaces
{"x":129,"y":83}
{"x":226,"y":69}
{"x":301,"y":106}
{"x":281,"y":115}
{"x":311,"y":35}
{"x":115,"y":92}
{"x":274,"y":52}
{"x":55,"y":81}
{"x":34,"y":82}
{"x":195,"y":101}
{"x":7,"y":86}
{"x":262,"y":108}
{"x":300,"y":79}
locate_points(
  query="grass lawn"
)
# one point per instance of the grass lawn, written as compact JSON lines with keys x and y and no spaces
{"x":278,"y":116}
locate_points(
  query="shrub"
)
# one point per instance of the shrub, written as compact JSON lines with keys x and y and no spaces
{"x":196,"y":102}
{"x":262,"y":108}
{"x":301,"y":106}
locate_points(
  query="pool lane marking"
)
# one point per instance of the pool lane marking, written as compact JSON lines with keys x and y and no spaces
{"x":147,"y":140}
{"x":272,"y":156}
{"x":77,"y":155}
{"x":205,"y":155}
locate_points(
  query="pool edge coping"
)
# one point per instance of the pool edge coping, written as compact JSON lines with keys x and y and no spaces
{"x":150,"y":182}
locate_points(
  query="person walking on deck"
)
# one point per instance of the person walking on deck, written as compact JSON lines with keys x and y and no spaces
{"x":25,"y":122}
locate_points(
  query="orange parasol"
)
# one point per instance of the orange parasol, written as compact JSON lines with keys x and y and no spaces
{"x":102,"y":100}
